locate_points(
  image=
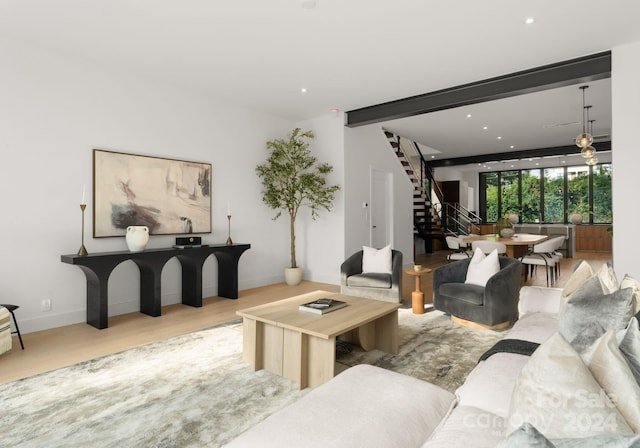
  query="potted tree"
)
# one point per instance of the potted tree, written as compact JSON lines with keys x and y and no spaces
{"x":291,"y":178}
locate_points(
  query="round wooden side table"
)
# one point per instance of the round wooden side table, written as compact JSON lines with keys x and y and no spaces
{"x":417,"y":296}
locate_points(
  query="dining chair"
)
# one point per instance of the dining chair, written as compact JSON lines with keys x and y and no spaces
{"x":458,"y":248}
{"x":556,"y":254}
{"x":541,"y":255}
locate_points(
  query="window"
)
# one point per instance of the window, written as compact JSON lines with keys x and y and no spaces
{"x":602,"y":194}
{"x":553,"y":195}
{"x":578,"y":194}
{"x":510,"y":191}
{"x":491,"y":197}
{"x":530,"y":205}
{"x":548,"y":195}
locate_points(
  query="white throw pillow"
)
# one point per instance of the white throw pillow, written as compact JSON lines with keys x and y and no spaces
{"x":557,"y":394}
{"x":608,"y":278}
{"x":630,"y":282}
{"x":608,"y":366}
{"x":376,"y":260}
{"x":482,"y":267}
{"x":580,"y":274}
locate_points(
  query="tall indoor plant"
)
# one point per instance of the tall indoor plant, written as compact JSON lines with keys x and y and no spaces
{"x":291,"y":178}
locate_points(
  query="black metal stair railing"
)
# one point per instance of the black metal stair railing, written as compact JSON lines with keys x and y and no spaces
{"x":432,"y":220}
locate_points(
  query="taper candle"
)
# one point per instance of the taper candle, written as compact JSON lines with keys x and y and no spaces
{"x":83,"y":188}
{"x":228,"y":208}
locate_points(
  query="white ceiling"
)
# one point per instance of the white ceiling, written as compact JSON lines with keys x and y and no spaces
{"x":348,"y":54}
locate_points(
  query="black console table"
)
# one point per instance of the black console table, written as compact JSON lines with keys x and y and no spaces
{"x":98,"y":267}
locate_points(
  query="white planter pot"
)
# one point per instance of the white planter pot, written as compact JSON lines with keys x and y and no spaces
{"x":293,"y":276}
{"x":137,"y":238}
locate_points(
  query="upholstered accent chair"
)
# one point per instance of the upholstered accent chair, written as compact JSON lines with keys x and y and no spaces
{"x":493,"y":306}
{"x":372,"y":285}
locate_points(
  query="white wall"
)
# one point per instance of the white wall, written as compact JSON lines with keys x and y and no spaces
{"x":367,"y":147}
{"x":54,"y":111}
{"x":320,"y":247}
{"x":625,"y":157}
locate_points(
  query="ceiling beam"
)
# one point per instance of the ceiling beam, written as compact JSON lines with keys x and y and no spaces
{"x":516,"y":155}
{"x":574,"y":71}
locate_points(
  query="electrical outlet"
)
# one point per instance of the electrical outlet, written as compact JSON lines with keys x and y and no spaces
{"x":46,"y":305}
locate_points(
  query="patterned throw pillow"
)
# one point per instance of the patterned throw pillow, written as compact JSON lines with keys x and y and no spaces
{"x":591,"y":304}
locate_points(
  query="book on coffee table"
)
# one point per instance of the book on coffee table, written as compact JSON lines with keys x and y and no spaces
{"x":322,"y":305}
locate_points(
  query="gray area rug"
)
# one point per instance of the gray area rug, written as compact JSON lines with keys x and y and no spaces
{"x":195,"y":390}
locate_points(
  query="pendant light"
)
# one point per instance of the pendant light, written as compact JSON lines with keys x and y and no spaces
{"x":585,"y":139}
{"x":592,"y":159}
{"x":588,"y":151}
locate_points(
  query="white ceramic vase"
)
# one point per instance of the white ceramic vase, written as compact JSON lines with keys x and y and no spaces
{"x":575,"y":218}
{"x":137,"y":238}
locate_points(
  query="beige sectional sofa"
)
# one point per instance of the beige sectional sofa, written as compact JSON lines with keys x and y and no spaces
{"x":509,"y":399}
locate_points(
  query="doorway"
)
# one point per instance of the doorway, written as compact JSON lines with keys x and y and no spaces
{"x":381,"y":200}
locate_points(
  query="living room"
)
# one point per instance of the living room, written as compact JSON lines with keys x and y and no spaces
{"x":60,"y":103}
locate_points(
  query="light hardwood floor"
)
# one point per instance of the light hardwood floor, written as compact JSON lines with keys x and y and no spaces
{"x":59,"y":347}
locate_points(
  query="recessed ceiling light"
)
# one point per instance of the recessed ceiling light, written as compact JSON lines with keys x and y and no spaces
{"x":499,"y":138}
{"x":433,"y":157}
{"x":308,"y":4}
{"x":529,"y":20}
{"x":303,"y":90}
{"x":485,"y":128}
{"x":511,"y":146}
{"x":468,"y":115}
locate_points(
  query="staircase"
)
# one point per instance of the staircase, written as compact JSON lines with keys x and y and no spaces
{"x":427,"y":222}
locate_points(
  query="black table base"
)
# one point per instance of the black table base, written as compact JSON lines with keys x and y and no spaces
{"x":98,"y":267}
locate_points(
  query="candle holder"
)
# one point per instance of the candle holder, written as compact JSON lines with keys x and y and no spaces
{"x":83,"y":250}
{"x":229,"y":242}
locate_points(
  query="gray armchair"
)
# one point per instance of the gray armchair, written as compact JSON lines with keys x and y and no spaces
{"x":372,"y":285}
{"x":492,"y":306}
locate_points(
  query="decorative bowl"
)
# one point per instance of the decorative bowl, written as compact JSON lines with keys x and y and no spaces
{"x":506,"y":233}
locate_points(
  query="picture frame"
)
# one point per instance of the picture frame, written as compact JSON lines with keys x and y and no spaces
{"x":170,"y":196}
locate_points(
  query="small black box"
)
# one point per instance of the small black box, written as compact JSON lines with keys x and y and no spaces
{"x":188,"y":241}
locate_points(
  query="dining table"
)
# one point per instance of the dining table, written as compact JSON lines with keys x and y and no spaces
{"x":517,"y":245}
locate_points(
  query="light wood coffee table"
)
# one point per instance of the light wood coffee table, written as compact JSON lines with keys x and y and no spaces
{"x":301,"y":346}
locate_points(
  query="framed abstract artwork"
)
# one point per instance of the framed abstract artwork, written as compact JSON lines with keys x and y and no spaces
{"x":168,"y":196}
